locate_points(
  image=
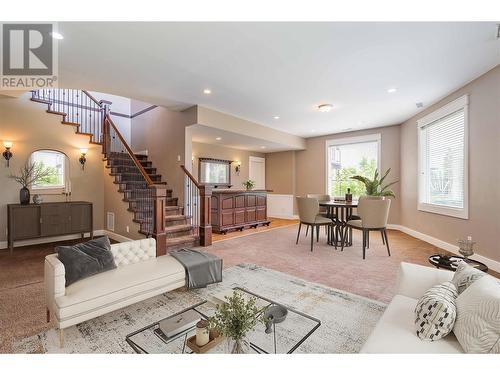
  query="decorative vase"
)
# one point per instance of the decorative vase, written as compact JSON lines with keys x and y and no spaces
{"x":466,"y":247}
{"x":24,"y":195}
{"x":37,"y":199}
{"x":238,"y":346}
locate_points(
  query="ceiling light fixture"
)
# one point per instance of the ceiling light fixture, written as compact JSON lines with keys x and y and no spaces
{"x":392,"y":90}
{"x":218,"y":138}
{"x":276,"y":117}
{"x":56,"y":35}
{"x":262,"y":147}
{"x":325,"y":107}
{"x":207,"y":91}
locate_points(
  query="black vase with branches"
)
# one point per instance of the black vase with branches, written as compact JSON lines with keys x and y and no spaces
{"x":28,"y":175}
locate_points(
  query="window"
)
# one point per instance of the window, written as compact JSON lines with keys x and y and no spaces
{"x":443,"y":174}
{"x":347,"y":157}
{"x":55,"y":163}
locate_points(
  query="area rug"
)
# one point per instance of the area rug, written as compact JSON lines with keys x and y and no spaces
{"x":346,"y":319}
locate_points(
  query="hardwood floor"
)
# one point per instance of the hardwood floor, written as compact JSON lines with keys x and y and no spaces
{"x":275,"y":223}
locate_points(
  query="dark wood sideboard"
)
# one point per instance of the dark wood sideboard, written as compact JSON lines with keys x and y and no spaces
{"x":25,"y":222}
{"x":237,"y":209}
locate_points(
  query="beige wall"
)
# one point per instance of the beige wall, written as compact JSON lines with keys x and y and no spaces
{"x":311,"y":167}
{"x":27,"y":124}
{"x":162,"y":133}
{"x":484,"y":171}
{"x":280,"y":172}
{"x":226,"y":153}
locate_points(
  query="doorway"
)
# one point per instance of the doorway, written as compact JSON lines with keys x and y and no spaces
{"x":257,"y":171}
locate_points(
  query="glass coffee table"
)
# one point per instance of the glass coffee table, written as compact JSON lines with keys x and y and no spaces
{"x":285,"y":338}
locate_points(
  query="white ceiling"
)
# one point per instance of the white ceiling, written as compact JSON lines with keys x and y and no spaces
{"x":259,"y":70}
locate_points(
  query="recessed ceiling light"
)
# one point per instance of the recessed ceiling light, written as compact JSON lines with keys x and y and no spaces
{"x":325,"y":107}
{"x":56,"y":35}
{"x":276,"y":117}
{"x":207,"y":91}
{"x":392,"y":90}
{"x":313,"y":130}
{"x":218,"y":138}
{"x":262,"y":146}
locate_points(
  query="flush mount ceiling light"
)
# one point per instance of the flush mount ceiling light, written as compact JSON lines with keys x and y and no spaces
{"x":392,"y":90}
{"x":218,"y":138}
{"x":276,"y":117}
{"x":207,"y":91}
{"x":325,"y":107}
{"x":56,"y":35}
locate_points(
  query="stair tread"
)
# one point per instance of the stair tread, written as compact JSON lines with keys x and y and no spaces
{"x":176,"y":217}
{"x":178,"y":228}
{"x":181,"y":239}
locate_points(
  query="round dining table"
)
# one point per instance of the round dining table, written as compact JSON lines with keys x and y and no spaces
{"x":340,"y":212}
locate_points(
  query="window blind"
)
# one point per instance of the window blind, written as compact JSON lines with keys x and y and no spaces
{"x":444,"y":160}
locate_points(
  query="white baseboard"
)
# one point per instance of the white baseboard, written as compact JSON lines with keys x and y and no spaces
{"x":288,"y":217}
{"x":492,"y":264}
{"x":38,"y":241}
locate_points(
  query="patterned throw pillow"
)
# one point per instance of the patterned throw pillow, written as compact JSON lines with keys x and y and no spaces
{"x":465,"y":275}
{"x":436,"y":312}
{"x":477,"y":327}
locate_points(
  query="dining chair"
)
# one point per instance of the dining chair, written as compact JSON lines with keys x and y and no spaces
{"x":323,"y":211}
{"x":309,"y":215}
{"x":374,"y":214}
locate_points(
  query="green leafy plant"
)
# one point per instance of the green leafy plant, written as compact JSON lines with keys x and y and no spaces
{"x":375,"y":187}
{"x":30,"y":173}
{"x":249,"y":184}
{"x":237,"y":317}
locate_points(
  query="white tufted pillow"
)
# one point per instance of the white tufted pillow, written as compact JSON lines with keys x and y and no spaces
{"x":131,"y":252}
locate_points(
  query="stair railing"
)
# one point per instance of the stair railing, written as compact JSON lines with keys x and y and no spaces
{"x":198,"y":207}
{"x":78,"y":107}
{"x":148,"y":199}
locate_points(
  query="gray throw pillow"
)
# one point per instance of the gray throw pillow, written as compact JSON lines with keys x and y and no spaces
{"x":436,"y":312}
{"x":465,"y":275}
{"x":86,"y":259}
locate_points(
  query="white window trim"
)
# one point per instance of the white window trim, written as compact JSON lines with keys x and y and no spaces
{"x":462,"y":213}
{"x":48,"y":190}
{"x":376,"y":137}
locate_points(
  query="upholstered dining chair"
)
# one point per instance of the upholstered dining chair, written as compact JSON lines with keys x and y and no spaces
{"x":309,"y":215}
{"x":323,"y":211}
{"x":374,"y":214}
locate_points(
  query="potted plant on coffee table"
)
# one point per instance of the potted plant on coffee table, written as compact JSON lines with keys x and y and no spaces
{"x":375,"y":187}
{"x":234,"y":319}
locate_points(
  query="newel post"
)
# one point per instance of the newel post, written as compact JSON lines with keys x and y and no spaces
{"x":159,"y":203}
{"x":205,"y":215}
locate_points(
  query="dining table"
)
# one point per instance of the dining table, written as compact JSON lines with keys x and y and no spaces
{"x":340,"y":211}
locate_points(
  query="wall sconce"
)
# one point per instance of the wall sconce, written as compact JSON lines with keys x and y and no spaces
{"x":7,"y":154}
{"x":82,"y":160}
{"x":238,"y":167}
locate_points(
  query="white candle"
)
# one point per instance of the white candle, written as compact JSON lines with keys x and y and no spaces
{"x":202,"y":333}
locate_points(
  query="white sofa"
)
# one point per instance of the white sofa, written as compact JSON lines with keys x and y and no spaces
{"x":395,"y":332}
{"x":139,"y":275}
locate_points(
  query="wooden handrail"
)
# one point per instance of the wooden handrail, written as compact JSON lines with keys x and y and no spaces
{"x":191,"y":177}
{"x":131,"y":154}
{"x":92,"y":98}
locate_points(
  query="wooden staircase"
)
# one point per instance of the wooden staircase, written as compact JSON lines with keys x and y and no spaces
{"x":135,"y":176}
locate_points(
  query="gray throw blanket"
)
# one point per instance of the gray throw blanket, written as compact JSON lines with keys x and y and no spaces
{"x":201,"y":268}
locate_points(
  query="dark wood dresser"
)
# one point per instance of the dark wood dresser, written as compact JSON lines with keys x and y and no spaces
{"x":237,"y":209}
{"x":25,"y":222}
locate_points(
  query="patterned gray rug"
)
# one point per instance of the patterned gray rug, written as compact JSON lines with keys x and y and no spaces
{"x":346,"y":319}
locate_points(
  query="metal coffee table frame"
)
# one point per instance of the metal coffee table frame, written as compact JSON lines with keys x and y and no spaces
{"x":139,"y":349}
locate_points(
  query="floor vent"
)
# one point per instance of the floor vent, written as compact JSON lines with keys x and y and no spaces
{"x":110,"y":221}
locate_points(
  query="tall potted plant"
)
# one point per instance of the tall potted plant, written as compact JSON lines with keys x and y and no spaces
{"x":234,"y":319}
{"x":28,"y":175}
{"x":375,"y":187}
